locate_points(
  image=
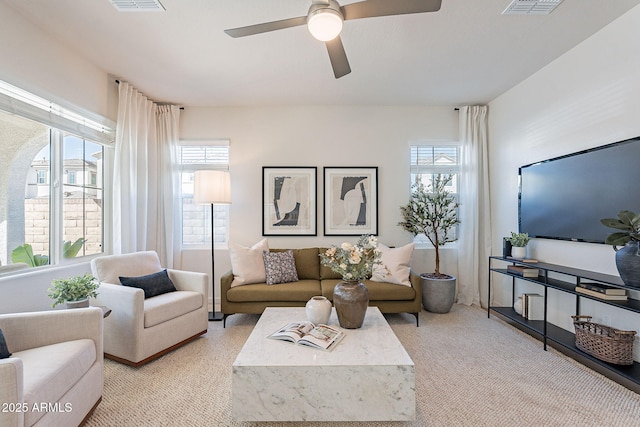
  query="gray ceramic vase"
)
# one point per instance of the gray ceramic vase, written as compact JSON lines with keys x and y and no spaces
{"x":351,"y":299}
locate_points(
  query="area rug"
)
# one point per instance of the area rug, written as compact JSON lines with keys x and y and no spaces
{"x":470,"y":371}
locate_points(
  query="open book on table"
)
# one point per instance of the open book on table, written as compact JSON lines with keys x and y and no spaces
{"x":306,"y":333}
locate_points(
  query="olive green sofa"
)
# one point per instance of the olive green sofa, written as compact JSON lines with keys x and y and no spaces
{"x":314,"y":279}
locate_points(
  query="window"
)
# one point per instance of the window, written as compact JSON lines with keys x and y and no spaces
{"x":196,"y":219}
{"x":41,"y":176}
{"x":53,"y":206}
{"x":428,"y":161}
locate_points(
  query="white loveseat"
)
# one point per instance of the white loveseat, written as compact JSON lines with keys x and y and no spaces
{"x":141,"y":329}
{"x":54,"y":376}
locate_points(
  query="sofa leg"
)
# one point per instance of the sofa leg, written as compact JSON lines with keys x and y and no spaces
{"x":417,"y":319}
{"x":224,"y":320}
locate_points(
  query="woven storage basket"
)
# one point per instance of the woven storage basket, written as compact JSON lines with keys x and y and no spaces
{"x":603,"y":342}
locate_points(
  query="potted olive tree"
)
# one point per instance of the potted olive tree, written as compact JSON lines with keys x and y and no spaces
{"x":433,"y":211}
{"x":628,"y":236}
{"x":74,"y":291}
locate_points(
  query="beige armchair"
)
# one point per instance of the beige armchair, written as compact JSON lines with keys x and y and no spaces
{"x":56,"y":372}
{"x":141,"y":329}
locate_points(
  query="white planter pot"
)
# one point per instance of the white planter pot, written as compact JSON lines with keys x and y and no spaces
{"x":519,"y":251}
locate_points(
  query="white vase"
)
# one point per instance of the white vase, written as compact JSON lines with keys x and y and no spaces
{"x":519,"y":251}
{"x":318,"y":310}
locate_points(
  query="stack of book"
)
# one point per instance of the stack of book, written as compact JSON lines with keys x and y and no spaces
{"x":533,"y":306}
{"x":523,"y":271}
{"x":602,"y":291}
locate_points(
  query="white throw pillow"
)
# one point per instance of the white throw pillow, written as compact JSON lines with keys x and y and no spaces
{"x":398,"y":263}
{"x":247,"y":263}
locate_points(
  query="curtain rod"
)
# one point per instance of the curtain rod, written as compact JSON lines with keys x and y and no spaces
{"x":118,"y":82}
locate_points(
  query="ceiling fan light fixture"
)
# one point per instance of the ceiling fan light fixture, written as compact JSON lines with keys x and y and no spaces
{"x":325,"y":24}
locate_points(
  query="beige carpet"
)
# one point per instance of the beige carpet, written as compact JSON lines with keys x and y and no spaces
{"x":470,"y":371}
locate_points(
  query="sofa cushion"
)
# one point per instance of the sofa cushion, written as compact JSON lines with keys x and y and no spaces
{"x":395,"y":265}
{"x":279,"y":267}
{"x":247,"y":263}
{"x":4,"y":350}
{"x":307,"y":262}
{"x":152,"y":284}
{"x":300,"y":291}
{"x":378,"y":291}
{"x":168,"y":306}
{"x":50,"y":371}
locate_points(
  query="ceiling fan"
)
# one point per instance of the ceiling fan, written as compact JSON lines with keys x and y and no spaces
{"x":325,"y":18}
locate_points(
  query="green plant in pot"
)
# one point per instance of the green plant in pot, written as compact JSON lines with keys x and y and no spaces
{"x":74,"y":291}
{"x":433,"y":211}
{"x":519,"y":244}
{"x":627,"y":236}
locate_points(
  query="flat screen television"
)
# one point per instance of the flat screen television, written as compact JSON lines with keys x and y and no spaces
{"x":565,"y":198}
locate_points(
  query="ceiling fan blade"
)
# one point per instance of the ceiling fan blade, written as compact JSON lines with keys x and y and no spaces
{"x":266,"y":27}
{"x":372,"y":8}
{"x":338,"y":57}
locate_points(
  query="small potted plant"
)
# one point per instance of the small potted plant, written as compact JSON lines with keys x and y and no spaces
{"x":519,"y":244}
{"x":433,"y":211}
{"x":74,"y":291}
{"x":628,"y":236}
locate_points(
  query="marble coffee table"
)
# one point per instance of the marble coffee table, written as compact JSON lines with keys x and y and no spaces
{"x":368,"y":376}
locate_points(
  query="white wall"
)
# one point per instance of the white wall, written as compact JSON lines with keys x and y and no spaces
{"x":27,"y":291}
{"x":587,"y":98}
{"x":34,"y":61}
{"x":317,"y":136}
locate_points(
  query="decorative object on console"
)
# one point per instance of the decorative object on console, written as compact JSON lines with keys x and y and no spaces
{"x":318,"y":310}
{"x":523,"y":271}
{"x":518,"y":245}
{"x":433,"y":211}
{"x":350,"y":201}
{"x":74,"y":291}
{"x":354,"y":263}
{"x":517,"y":305}
{"x":289,"y":201}
{"x":628,"y":236}
{"x":603,"y":342}
{"x":212,"y":187}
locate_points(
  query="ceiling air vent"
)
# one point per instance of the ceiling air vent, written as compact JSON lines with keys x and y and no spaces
{"x":138,"y":5}
{"x":531,"y":7}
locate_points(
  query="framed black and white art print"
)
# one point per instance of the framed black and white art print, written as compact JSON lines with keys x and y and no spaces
{"x":289,"y":206}
{"x":350,"y":201}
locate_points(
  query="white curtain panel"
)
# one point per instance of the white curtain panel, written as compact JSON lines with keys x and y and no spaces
{"x":144,"y":182}
{"x":474,"y":246}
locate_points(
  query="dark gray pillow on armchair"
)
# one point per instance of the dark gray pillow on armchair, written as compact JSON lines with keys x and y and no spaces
{"x":4,"y":350}
{"x":152,"y":284}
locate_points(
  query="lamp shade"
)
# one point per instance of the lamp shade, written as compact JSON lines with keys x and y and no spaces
{"x":212,"y":187}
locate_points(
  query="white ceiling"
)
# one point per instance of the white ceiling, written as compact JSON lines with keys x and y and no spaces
{"x":466,"y":53}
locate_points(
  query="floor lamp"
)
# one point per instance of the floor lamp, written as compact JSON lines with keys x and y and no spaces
{"x":212,"y":187}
